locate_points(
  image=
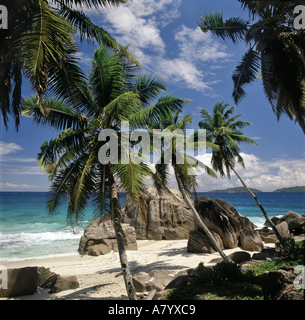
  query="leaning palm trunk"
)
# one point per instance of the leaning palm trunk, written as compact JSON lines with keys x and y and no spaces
{"x":116,"y":217}
{"x":259,"y":205}
{"x":199,"y":221}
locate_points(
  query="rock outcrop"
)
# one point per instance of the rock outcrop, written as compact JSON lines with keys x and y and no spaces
{"x":279,"y":285}
{"x":200,"y":243}
{"x":161,"y":217}
{"x":155,"y":280}
{"x":230,"y":228}
{"x":56,"y":283}
{"x":20,"y":282}
{"x":295,"y":221}
{"x":99,"y":237}
{"x":250,"y":240}
{"x":291,"y":222}
{"x":25,"y":281}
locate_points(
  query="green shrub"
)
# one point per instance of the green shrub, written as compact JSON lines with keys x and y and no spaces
{"x":223,"y":272}
{"x":229,"y":281}
{"x":223,"y":279}
{"x":289,"y":249}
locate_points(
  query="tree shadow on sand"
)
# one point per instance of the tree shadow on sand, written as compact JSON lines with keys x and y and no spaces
{"x":136,"y":267}
{"x":85,"y":294}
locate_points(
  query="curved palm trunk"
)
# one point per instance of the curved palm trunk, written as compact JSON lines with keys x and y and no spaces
{"x":199,"y":221}
{"x":259,"y":205}
{"x":116,"y":217}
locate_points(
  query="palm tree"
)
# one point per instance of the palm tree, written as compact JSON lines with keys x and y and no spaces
{"x":225,"y":131}
{"x":40,"y":44}
{"x":185,"y":178}
{"x":114,"y":92}
{"x":275,"y":53}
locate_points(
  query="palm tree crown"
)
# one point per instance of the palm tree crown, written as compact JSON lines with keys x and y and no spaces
{"x":275,"y":52}
{"x":184,"y":170}
{"x":225,"y":131}
{"x":40,"y":44}
{"x":113,"y":93}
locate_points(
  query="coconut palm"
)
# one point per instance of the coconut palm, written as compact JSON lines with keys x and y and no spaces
{"x":225,"y":131}
{"x":114,"y":92}
{"x":275,"y":53}
{"x":40,"y":44}
{"x":184,"y":170}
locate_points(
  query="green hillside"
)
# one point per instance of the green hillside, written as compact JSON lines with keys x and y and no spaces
{"x":292,"y":189}
{"x":238,"y":189}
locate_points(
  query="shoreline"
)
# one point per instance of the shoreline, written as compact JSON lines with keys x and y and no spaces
{"x":101,"y":277}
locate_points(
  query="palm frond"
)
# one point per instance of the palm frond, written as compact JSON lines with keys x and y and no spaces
{"x":101,"y":195}
{"x":59,"y":115}
{"x":67,"y":82}
{"x":233,"y":28}
{"x":84,"y":184}
{"x":164,"y":108}
{"x":122,"y":107}
{"x":50,"y":39}
{"x":87,"y":29}
{"x":91,"y":3}
{"x":194,"y":163}
{"x":161,"y":177}
{"x":65,"y":148}
{"x":245,"y":72}
{"x":106,"y":77}
{"x":60,"y":187}
{"x":131,"y":176}
{"x":148,"y":87}
{"x":226,"y":133}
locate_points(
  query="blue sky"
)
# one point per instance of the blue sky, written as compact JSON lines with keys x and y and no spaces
{"x":165,"y":38}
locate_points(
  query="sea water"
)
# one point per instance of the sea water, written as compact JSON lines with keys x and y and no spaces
{"x":28,"y":231}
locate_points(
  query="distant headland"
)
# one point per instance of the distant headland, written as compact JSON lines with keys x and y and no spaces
{"x":243,"y":190}
{"x":232,"y":190}
{"x":292,"y":189}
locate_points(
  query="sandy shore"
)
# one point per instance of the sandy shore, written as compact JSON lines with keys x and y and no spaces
{"x":101,"y":277}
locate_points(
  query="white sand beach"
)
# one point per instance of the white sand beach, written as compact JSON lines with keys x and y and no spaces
{"x":101,"y":278}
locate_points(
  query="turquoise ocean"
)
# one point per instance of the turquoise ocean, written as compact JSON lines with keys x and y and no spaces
{"x":27,"y":231}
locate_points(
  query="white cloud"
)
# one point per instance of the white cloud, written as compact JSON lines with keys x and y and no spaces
{"x":147,"y":9}
{"x":196,"y":50}
{"x":84,"y":58}
{"x":198,"y":46}
{"x":7,"y":148}
{"x":130,"y":25}
{"x":140,"y":24}
{"x":10,"y":186}
{"x":280,"y":173}
{"x":15,"y":159}
{"x":182,"y":72}
{"x":21,"y":170}
{"x":264,"y":175}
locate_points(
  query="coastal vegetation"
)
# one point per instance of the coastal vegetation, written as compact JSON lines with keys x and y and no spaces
{"x":242,"y":190}
{"x":291,"y":189}
{"x":233,"y":190}
{"x":237,"y":282}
